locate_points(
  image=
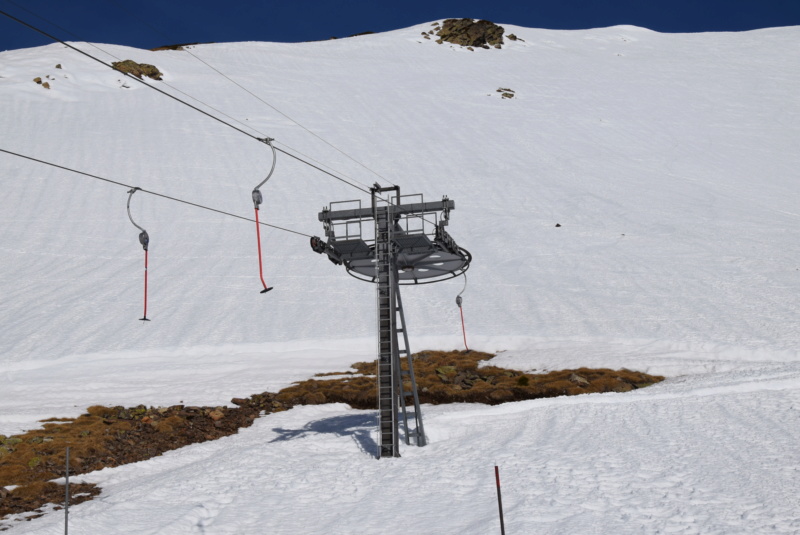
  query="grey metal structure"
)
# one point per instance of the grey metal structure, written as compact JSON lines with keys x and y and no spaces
{"x":409,"y":245}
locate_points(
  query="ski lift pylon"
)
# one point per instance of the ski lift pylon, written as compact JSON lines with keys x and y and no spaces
{"x":407,"y":244}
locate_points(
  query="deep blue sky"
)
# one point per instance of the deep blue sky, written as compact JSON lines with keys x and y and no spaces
{"x":151,"y":23}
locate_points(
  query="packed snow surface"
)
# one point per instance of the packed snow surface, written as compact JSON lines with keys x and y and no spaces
{"x":669,"y":162}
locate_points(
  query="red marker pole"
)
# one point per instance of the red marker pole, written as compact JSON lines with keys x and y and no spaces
{"x":499,"y":500}
{"x":260,"y":264}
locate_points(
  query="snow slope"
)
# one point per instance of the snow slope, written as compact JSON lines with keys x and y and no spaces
{"x":670,"y":162}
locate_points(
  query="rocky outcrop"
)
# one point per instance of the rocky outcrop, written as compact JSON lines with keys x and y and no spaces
{"x":471,"y":33}
{"x":137,"y":69}
{"x":506,"y":92}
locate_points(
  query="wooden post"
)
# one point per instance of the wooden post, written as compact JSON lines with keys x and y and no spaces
{"x":66,"y":499}
{"x":499,"y":500}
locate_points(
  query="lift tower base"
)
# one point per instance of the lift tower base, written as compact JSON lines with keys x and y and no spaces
{"x":409,"y":246}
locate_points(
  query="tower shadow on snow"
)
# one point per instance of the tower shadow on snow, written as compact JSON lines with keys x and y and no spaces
{"x":358,"y":426}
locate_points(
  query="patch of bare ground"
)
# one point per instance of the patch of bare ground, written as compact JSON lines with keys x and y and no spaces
{"x":113,"y":436}
{"x":470,"y":33}
{"x":34,"y":496}
{"x":107,"y":437}
{"x":456,"y":377}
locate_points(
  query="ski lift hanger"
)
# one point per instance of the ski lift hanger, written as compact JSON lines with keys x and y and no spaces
{"x":257,"y":200}
{"x":144,"y":240}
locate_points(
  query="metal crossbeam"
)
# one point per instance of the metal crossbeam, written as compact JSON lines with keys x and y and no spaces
{"x":397,"y":210}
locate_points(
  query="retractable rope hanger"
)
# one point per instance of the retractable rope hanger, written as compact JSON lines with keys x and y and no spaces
{"x":144,"y":239}
{"x":257,"y":200}
{"x":458,"y":302}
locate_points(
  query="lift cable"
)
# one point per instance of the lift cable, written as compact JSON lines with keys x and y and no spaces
{"x":309,"y":131}
{"x":106,"y":52}
{"x":261,"y":140}
{"x":153,"y":193}
{"x":126,"y":74}
{"x":257,"y":97}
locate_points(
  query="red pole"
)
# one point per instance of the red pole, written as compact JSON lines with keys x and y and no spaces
{"x":145,"y":286}
{"x":463,"y":330}
{"x":260,"y":265}
{"x":499,"y":500}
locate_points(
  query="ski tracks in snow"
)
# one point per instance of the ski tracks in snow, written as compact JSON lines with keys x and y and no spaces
{"x":666,"y":459}
{"x":673,"y":462}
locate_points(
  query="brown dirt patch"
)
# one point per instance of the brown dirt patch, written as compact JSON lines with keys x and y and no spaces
{"x":455,"y":377}
{"x":108,"y":437}
{"x":34,"y":496}
{"x":113,"y":436}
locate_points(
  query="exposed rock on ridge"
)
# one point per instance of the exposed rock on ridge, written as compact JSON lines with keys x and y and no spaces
{"x":468,"y":32}
{"x":137,"y":69}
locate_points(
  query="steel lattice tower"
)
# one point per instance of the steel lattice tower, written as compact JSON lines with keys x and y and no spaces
{"x":409,"y":245}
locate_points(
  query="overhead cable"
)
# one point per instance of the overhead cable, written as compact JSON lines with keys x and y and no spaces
{"x":261,"y":140}
{"x":163,"y":196}
{"x":106,"y":52}
{"x":252,"y":94}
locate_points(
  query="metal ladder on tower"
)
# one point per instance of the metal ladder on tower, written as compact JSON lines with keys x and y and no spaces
{"x":406,"y":378}
{"x":387,"y":335}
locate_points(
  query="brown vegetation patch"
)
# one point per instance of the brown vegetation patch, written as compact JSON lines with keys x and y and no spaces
{"x":36,"y":495}
{"x":108,"y":437}
{"x":455,"y":376}
{"x":138,"y":70}
{"x":112,"y":436}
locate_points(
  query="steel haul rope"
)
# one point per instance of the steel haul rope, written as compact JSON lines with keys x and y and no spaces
{"x":163,"y":196}
{"x":173,"y":97}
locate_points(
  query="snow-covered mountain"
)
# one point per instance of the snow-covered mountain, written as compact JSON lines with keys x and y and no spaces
{"x":669,"y":162}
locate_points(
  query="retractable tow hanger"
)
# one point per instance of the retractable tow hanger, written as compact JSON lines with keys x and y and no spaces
{"x":458,"y":302}
{"x":257,"y":200}
{"x":144,"y":240}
